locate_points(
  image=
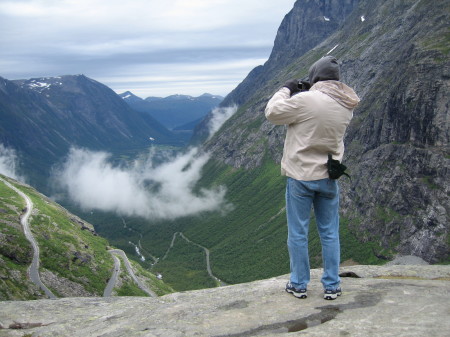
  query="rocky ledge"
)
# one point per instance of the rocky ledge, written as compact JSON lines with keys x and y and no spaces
{"x":396,"y":300}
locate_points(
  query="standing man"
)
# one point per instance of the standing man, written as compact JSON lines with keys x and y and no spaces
{"x":316,"y":123}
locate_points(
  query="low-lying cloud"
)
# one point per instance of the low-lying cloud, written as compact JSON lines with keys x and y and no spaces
{"x":8,"y":162}
{"x":220,"y":116}
{"x":143,"y":188}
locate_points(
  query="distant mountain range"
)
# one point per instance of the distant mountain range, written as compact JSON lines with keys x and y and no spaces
{"x":42,"y":118}
{"x":179,"y":112}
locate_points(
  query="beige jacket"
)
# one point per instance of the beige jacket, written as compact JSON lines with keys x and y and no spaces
{"x":317,"y":120}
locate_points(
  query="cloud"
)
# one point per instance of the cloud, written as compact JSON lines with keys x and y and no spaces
{"x":8,"y":162}
{"x":143,"y":188}
{"x":104,"y":39}
{"x":220,"y":116}
{"x":194,"y":77}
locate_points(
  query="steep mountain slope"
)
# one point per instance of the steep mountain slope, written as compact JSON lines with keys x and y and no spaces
{"x":42,"y":118}
{"x":175,"y":110}
{"x":96,"y":111}
{"x":74,"y":260}
{"x":396,"y":56}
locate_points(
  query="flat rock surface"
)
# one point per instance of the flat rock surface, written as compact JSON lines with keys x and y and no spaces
{"x":383,"y":301}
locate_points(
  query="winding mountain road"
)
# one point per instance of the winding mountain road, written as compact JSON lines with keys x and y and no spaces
{"x":141,"y":249}
{"x":33,"y":270}
{"x":113,"y":279}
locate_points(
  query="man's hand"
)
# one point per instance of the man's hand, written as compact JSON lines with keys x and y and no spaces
{"x":292,"y":85}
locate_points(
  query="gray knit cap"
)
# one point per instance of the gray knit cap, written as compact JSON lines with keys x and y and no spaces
{"x":327,"y":68}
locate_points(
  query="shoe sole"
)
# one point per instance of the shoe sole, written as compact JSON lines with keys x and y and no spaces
{"x":330,"y":296}
{"x":298,"y":295}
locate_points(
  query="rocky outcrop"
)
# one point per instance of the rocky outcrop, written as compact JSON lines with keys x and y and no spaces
{"x":63,"y":286}
{"x":398,"y":142}
{"x":85,"y":226}
{"x":376,"y":301}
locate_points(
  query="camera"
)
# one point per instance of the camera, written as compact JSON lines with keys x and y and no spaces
{"x":303,"y":85}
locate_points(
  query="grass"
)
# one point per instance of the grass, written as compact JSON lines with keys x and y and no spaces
{"x":14,"y":284}
{"x":185,"y":267}
{"x":440,"y":43}
{"x":159,"y":287}
{"x":352,"y":248}
{"x":250,"y":242}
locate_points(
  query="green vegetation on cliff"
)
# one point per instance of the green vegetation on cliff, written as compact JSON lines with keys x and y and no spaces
{"x":15,"y":251}
{"x":74,"y":259}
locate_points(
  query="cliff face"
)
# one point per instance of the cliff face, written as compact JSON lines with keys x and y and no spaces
{"x":307,"y":24}
{"x":395,"y":55}
{"x":398,"y":142}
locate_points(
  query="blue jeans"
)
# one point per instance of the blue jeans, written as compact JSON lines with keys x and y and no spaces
{"x":324,"y":196}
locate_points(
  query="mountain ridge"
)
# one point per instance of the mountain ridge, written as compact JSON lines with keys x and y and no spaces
{"x":175,"y":110}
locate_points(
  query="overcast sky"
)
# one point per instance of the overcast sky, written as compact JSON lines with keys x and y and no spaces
{"x":150,"y":47}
